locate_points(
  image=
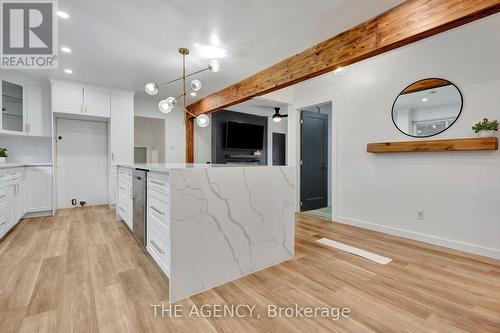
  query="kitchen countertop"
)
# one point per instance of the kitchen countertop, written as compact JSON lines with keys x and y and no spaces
{"x":165,"y":167}
{"x":21,"y":165}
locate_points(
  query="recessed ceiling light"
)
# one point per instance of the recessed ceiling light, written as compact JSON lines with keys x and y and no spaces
{"x":66,"y":49}
{"x":214,"y":39}
{"x":68,"y":71}
{"x":209,"y":51}
{"x":425,"y":99}
{"x":339,"y":70}
{"x":62,"y":14}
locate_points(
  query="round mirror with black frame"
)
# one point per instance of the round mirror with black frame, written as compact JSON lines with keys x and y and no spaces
{"x":427,"y":107}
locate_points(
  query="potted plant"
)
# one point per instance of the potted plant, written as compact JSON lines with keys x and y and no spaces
{"x":3,"y":155}
{"x":486,"y":128}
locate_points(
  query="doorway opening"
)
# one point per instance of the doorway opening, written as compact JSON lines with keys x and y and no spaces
{"x":81,"y":162}
{"x":316,"y":160}
{"x":149,"y":140}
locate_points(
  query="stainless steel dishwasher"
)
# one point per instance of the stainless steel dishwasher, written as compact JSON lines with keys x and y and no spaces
{"x":140,"y":202}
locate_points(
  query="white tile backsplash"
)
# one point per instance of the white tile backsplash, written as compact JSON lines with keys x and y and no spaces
{"x":25,"y":149}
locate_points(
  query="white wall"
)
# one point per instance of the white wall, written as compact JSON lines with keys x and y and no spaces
{"x":175,"y":137}
{"x":25,"y":149}
{"x":459,"y":191}
{"x":150,"y":133}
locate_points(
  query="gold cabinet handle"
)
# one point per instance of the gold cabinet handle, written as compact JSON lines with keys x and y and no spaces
{"x":157,"y":247}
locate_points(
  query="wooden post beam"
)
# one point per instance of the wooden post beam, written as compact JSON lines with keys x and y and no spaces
{"x":189,"y":139}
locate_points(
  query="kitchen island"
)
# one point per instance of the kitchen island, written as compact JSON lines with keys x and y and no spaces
{"x":211,"y":224}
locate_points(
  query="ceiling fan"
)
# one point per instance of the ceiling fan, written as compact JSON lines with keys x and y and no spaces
{"x":277,"y":116}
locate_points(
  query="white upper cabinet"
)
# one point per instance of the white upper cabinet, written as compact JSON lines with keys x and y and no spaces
{"x":13,"y":107}
{"x":122,"y":127}
{"x":25,"y":108}
{"x":80,"y":99}
{"x":38,"y":116}
{"x":97,"y":102}
{"x":67,"y":98}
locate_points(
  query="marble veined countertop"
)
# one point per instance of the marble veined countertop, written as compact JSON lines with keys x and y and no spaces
{"x":165,"y":167}
{"x":21,"y":165}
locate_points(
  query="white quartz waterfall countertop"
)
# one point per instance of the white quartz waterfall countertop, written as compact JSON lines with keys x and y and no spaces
{"x":165,"y":167}
{"x":222,"y":222}
{"x":22,"y":165}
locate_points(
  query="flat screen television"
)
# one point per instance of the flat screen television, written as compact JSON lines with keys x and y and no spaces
{"x":244,"y":136}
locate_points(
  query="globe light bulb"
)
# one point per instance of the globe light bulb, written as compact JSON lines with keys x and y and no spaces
{"x":276,"y":118}
{"x":214,"y":65}
{"x":164,"y":106}
{"x":151,"y":88}
{"x":196,"y":85}
{"x":202,"y":120}
{"x":171,"y":101}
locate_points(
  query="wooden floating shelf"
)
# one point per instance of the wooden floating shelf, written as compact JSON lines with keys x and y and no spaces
{"x":470,"y":144}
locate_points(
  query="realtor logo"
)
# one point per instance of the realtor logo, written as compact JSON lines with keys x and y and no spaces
{"x":29,"y":34}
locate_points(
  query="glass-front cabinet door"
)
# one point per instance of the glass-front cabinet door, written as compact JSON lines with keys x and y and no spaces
{"x":12,"y":107}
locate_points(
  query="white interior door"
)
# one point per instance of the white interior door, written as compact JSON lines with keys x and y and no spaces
{"x":81,"y":172}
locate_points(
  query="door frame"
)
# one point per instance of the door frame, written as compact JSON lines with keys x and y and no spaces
{"x":325,"y":152}
{"x":334,"y":151}
{"x":272,"y":147}
{"x":55,"y":119}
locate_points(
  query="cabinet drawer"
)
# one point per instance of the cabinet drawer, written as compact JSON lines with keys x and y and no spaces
{"x":159,"y":210}
{"x":159,"y":244}
{"x":159,"y":183}
{"x":3,"y":222}
{"x":124,"y":201}
{"x":125,"y":172}
{"x":125,"y":190}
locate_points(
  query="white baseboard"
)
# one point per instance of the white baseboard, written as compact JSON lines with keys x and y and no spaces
{"x":38,"y":214}
{"x":435,"y":240}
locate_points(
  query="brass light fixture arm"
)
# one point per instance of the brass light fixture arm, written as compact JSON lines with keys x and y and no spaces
{"x":180,"y":78}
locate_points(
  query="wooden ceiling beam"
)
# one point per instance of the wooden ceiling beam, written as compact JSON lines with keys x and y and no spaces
{"x":406,"y":23}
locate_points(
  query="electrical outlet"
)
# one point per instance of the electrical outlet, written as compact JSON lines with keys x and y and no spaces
{"x":420,"y":214}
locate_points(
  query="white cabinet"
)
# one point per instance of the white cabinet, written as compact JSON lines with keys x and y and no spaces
{"x":97,"y":102}
{"x":6,"y":211}
{"x":121,"y":136}
{"x":80,"y":99}
{"x":13,"y":106}
{"x":67,"y":98}
{"x":12,"y":197}
{"x":19,"y":195}
{"x":25,"y":109}
{"x":124,"y":205}
{"x":122,"y":127}
{"x":158,"y":219}
{"x":38,"y":116}
{"x":38,"y":189}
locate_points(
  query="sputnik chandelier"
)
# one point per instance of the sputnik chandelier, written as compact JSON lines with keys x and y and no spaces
{"x":167,"y":105}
